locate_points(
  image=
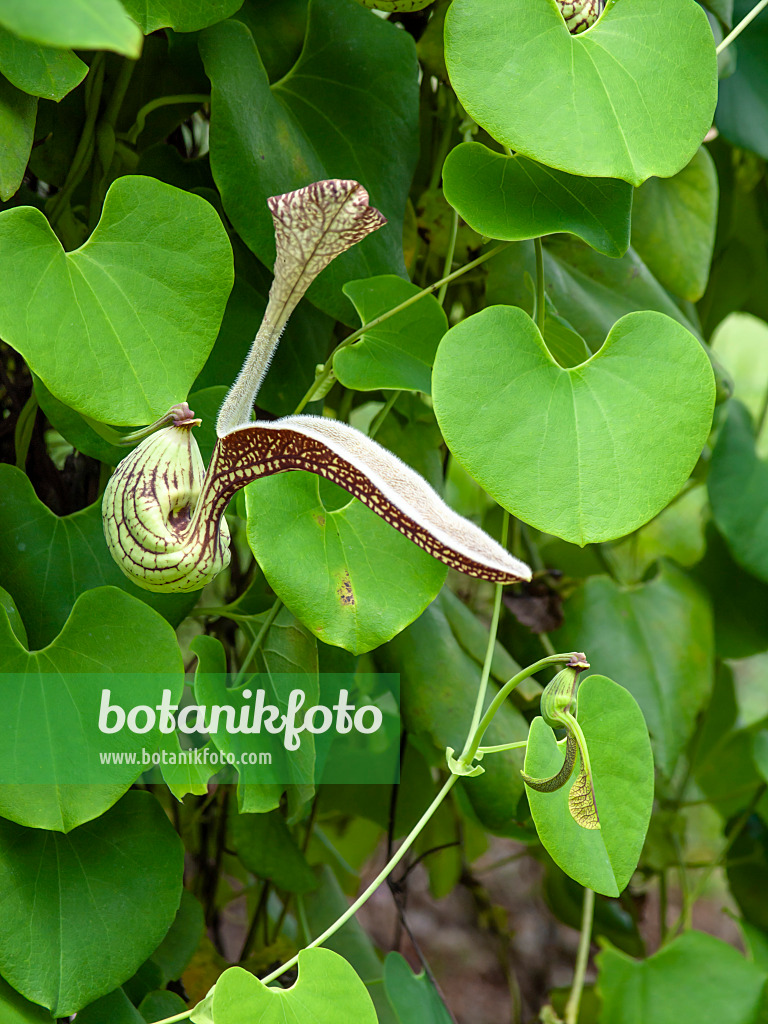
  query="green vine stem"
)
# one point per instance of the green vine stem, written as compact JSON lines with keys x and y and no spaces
{"x":541,"y":301}
{"x":161,"y":101}
{"x":326,"y":371}
{"x":741,"y":26}
{"x":471,"y":748}
{"x":85,"y":147}
{"x":483,"y":688}
{"x":582,"y":958}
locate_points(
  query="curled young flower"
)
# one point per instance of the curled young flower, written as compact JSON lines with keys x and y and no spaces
{"x":559,"y":709}
{"x":164,"y":516}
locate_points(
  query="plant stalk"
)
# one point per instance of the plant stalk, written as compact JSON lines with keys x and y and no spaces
{"x":735,"y":32}
{"x":582,"y":958}
{"x":327,"y":369}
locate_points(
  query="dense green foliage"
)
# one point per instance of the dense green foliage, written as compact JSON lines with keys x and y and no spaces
{"x":561,"y":327}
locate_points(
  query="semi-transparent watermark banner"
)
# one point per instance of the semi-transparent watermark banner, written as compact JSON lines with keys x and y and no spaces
{"x":264,"y":729}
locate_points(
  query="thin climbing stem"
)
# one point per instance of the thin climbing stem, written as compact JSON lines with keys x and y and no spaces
{"x":734,"y":33}
{"x":161,"y":101}
{"x":258,"y":639}
{"x":541,"y":306}
{"x":327,"y":370}
{"x":483,"y":688}
{"x":85,"y":147}
{"x":449,"y":257}
{"x":382,"y":414}
{"x":582,"y":958}
{"x":473,"y":744}
{"x":371,"y":889}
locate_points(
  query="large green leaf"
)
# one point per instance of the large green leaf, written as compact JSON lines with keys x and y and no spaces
{"x":180,"y":15}
{"x":15,"y":1009}
{"x":82,"y":912}
{"x":597,"y":103}
{"x":657,"y":638}
{"x":350,"y":577}
{"x":413,"y":996}
{"x":513,"y":198}
{"x":742,"y":106}
{"x":738,"y":491}
{"x":622,"y":774}
{"x":587,"y":453}
{"x":439,"y":682}
{"x":17,"y":127}
{"x":695,"y":978}
{"x":327,"y":991}
{"x":80,"y":24}
{"x":49,"y":752}
{"x":135,"y":310}
{"x":39,"y":70}
{"x":397,"y":354}
{"x":740,"y":343}
{"x":673,"y":226}
{"x":47,"y":561}
{"x":268,"y":141}
{"x":265,"y":846}
{"x":738,"y":600}
{"x":589,"y":290}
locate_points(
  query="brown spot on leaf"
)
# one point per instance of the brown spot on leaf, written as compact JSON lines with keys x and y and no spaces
{"x":344,"y":590}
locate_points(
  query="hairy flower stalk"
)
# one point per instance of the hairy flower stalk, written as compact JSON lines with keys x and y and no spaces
{"x":558,"y":709}
{"x":164,"y":516}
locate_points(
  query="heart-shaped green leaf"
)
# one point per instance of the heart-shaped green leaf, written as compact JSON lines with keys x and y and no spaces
{"x":587,"y":453}
{"x":351,"y":578}
{"x":82,"y":912}
{"x":738,"y":491}
{"x":180,"y":15}
{"x":17,"y":128}
{"x":49,"y":734}
{"x":658,"y":638}
{"x":39,"y":70}
{"x":327,"y":990}
{"x":397,"y":354}
{"x":135,"y":310}
{"x":47,"y":561}
{"x":696,"y":977}
{"x":267,"y":141}
{"x":673,"y":226}
{"x":622,"y":773}
{"x":598,"y":103}
{"x":513,"y":198}
{"x":84,"y":25}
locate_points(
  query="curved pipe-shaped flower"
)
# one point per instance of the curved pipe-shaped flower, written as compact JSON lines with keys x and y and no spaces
{"x":164,"y":517}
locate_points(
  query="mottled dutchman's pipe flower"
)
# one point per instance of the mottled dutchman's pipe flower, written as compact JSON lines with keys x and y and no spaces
{"x":579,"y":15}
{"x":164,"y":515}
